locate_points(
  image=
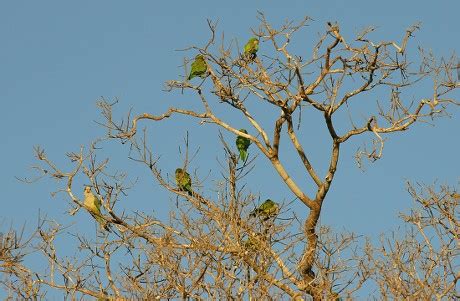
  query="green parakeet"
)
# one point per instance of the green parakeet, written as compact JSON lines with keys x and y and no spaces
{"x":242,"y":144}
{"x":183,"y":181}
{"x":199,"y":67}
{"x":93,"y":205}
{"x":266,"y":210}
{"x":251,"y":47}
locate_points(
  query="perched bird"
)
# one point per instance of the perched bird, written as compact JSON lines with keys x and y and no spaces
{"x":199,"y":67}
{"x":93,"y":205}
{"x":183,"y":181}
{"x":266,"y":210}
{"x":242,"y":144}
{"x":251,"y":47}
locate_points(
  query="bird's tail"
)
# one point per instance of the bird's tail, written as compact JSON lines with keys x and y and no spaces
{"x":243,"y":155}
{"x":189,"y":190}
{"x":102,"y":223}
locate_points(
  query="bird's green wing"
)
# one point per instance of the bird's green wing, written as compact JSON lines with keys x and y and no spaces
{"x":267,"y":209}
{"x":97,"y":204}
{"x":93,"y":204}
{"x":252,"y":46}
{"x":243,"y":155}
{"x":199,"y":67}
{"x":242,"y":144}
{"x":187,"y":183}
{"x":183,"y":180}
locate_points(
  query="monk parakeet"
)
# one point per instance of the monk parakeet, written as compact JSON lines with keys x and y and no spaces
{"x":93,"y":205}
{"x":266,"y":210}
{"x":183,"y":181}
{"x":242,"y":144}
{"x":251,"y":47}
{"x":199,"y":67}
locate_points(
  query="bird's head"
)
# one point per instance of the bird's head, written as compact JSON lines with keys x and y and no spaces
{"x":268,"y":201}
{"x":254,"y":40}
{"x":178,"y":171}
{"x":87,"y":190}
{"x":199,"y":57}
{"x":243,"y":131}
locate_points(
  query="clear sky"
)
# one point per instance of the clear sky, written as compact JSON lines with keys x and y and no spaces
{"x":57,"y":58}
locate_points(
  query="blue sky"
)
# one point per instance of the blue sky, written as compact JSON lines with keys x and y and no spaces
{"x":59,"y":57}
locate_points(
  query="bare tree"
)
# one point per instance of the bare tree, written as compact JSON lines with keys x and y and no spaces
{"x":422,"y":263}
{"x":211,"y":247}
